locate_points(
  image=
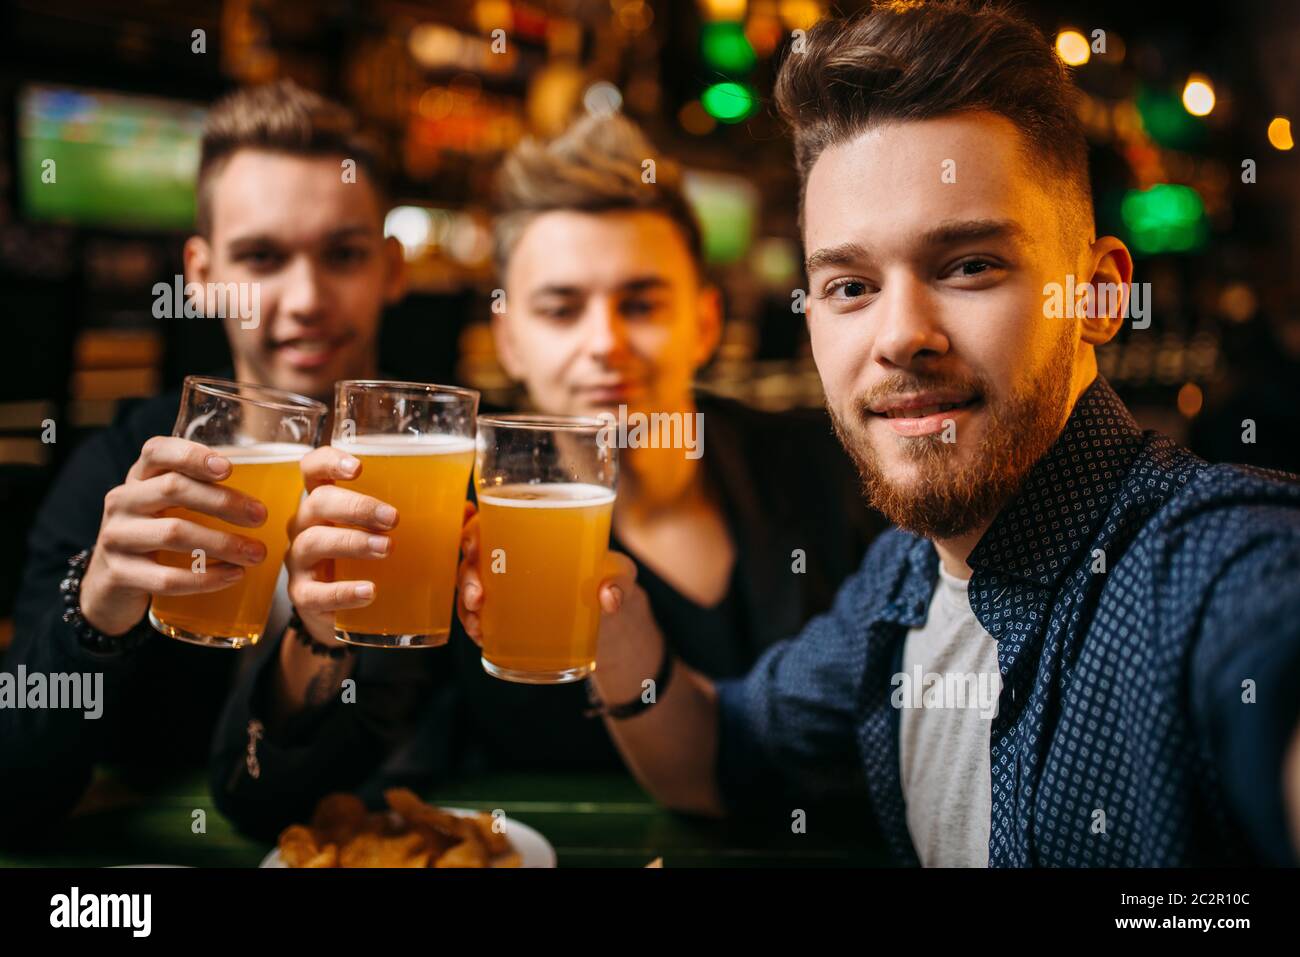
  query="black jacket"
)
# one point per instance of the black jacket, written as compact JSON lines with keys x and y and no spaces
{"x":161,"y":701}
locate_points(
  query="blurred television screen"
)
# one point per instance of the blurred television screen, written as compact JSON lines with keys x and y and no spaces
{"x":726,"y":205}
{"x":103,"y":159}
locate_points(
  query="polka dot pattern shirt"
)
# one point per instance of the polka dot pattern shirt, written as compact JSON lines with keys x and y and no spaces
{"x":1146,"y":607}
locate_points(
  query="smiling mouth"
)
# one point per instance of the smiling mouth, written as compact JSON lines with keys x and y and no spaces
{"x":922,"y":411}
{"x":308,"y":346}
{"x":313,"y":346}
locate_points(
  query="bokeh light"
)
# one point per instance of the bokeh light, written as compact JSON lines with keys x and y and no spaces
{"x":1279,"y":133}
{"x":726,"y":48}
{"x":1165,"y":218}
{"x":728,"y":102}
{"x":412,"y":226}
{"x":1198,"y":95}
{"x":1072,"y":47}
{"x":1190,"y":399}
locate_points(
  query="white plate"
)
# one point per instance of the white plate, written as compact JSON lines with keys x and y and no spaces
{"x":533,"y":849}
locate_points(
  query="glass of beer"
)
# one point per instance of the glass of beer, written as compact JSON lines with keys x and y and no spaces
{"x":545,"y":489}
{"x":263,"y":432}
{"x":415,"y":443}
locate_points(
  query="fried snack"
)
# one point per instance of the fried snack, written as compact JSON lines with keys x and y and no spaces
{"x":361,"y":851}
{"x":338,"y":818}
{"x":407,"y":850}
{"x":369,"y":849}
{"x":423,"y":860}
{"x":472,"y":851}
{"x":404,"y":801}
{"x":383,"y":824}
{"x":435,"y":841}
{"x":412,"y":834}
{"x":468,"y":853}
{"x":328,"y":857}
{"x":297,"y":845}
{"x":415,"y":812}
{"x":495,"y":841}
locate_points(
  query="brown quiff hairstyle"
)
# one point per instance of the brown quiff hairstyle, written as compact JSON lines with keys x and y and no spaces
{"x":280,"y":117}
{"x":595,"y":166}
{"x":918,"y":59}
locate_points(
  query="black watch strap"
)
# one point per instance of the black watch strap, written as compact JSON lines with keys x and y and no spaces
{"x":632,"y":708}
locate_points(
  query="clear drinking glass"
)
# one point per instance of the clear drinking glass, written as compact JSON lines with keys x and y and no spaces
{"x":546,"y":488}
{"x":415,"y":442}
{"x":263,"y":432}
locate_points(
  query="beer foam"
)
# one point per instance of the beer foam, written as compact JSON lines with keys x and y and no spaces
{"x":432,"y":444}
{"x":549,"y":495}
{"x":262,"y":453}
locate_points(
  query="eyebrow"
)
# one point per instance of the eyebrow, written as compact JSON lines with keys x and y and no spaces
{"x":948,"y":233}
{"x":267,"y":239}
{"x":639,"y":284}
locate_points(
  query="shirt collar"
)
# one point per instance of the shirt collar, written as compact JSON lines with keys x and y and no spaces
{"x":908,"y":603}
{"x":1066,"y":495}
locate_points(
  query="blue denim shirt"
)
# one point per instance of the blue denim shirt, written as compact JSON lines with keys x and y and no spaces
{"x":1146,"y":606}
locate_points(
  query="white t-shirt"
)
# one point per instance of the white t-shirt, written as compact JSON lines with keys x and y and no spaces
{"x":948,"y":693}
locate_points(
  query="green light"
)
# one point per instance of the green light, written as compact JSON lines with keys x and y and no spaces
{"x":725,"y":48}
{"x":1167,"y":122}
{"x":1165,"y":218}
{"x":728,"y":102}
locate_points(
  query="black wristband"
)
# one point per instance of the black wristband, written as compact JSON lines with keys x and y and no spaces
{"x":88,"y":636}
{"x":632,"y":708}
{"x":317,"y":647}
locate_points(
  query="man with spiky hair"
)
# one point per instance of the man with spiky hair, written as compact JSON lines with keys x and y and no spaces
{"x":1080,"y":645}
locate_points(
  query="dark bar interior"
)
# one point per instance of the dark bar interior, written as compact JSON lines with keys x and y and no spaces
{"x":1188,"y":114}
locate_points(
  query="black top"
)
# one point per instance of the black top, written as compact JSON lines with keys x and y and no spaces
{"x":713,"y":639}
{"x":790,"y":497}
{"x":161,"y":701}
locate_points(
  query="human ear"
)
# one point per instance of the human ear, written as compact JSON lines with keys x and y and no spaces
{"x":1107,"y":290}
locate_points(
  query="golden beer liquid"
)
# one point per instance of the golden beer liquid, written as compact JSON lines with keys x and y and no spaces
{"x":424,"y":478}
{"x":541,"y":614}
{"x":236,"y":615}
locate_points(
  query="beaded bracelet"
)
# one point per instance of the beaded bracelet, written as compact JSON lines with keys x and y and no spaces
{"x":88,"y":636}
{"x":317,"y":647}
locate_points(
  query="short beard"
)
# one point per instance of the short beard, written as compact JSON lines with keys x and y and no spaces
{"x":946,"y":499}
